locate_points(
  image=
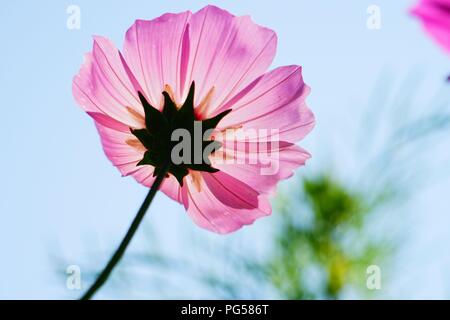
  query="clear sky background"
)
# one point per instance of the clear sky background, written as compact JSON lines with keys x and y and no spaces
{"x":59,"y":195}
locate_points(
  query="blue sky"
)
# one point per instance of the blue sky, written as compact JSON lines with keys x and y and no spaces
{"x":60,"y":194}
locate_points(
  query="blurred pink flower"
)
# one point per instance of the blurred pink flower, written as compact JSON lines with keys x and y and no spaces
{"x":227,"y":57}
{"x":435,"y":17}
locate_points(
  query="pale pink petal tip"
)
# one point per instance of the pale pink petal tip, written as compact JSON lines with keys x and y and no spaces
{"x":435,"y":18}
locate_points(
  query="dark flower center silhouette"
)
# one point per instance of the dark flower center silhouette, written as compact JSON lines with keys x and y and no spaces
{"x":157,"y":137}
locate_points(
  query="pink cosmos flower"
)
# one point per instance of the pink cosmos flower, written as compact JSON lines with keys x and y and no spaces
{"x":435,"y":16}
{"x":208,"y":66}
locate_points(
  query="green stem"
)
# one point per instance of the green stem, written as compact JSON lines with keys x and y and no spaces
{"x":101,"y":279}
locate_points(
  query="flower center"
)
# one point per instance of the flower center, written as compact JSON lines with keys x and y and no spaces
{"x":162,"y":132}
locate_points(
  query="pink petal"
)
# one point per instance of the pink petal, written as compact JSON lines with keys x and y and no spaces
{"x":274,"y":101}
{"x":211,"y":47}
{"x":287,"y":158}
{"x":109,"y":122}
{"x":103,"y":86}
{"x":226,"y":52}
{"x":172,"y":189}
{"x":231,"y":191}
{"x":155,"y":52}
{"x":121,"y":154}
{"x":435,"y":16}
{"x":209,"y":212}
{"x":114,"y":136}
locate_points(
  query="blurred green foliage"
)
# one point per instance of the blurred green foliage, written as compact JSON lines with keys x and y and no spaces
{"x":319,"y":227}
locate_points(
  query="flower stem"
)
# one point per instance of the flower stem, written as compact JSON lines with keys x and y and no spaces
{"x":101,"y":279}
